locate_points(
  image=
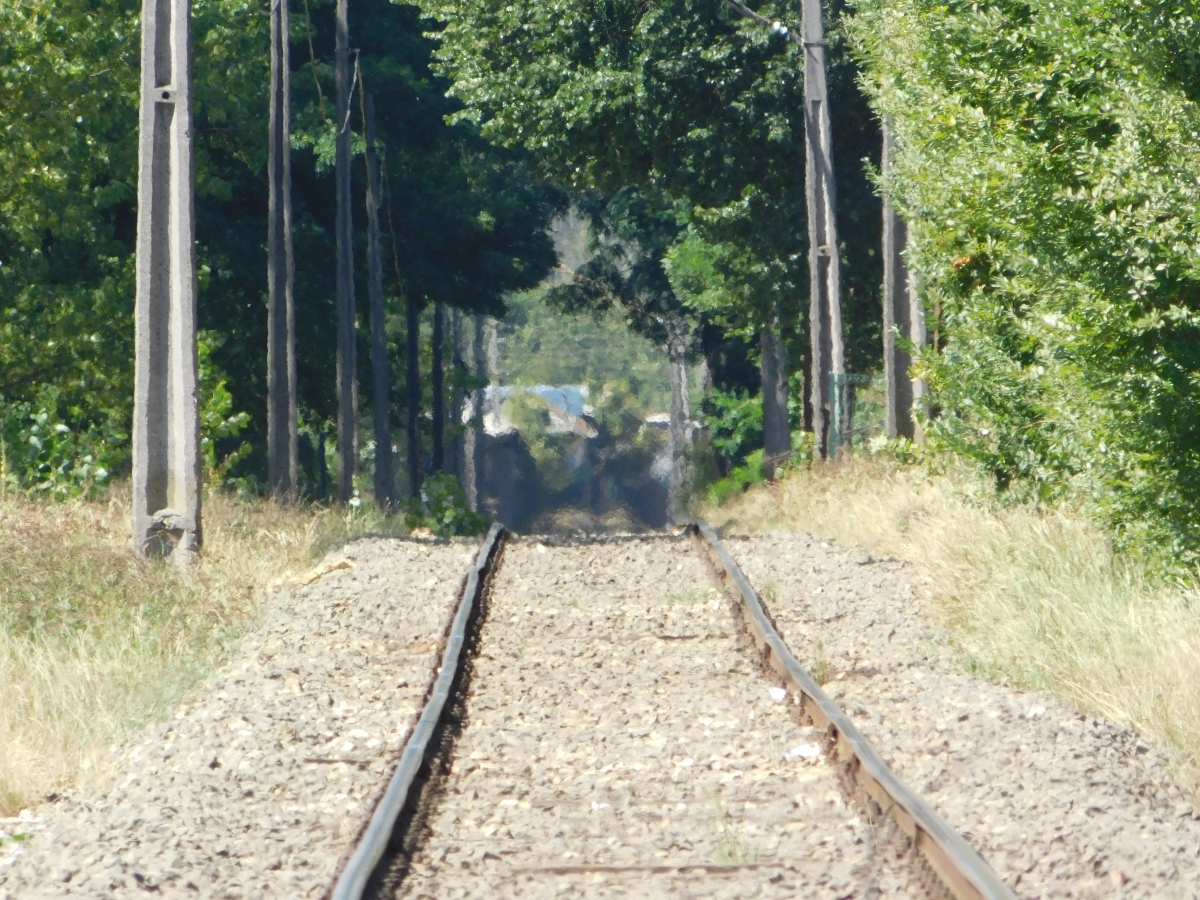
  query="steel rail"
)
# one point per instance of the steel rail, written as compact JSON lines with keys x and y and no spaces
{"x":374,"y":841}
{"x":960,"y":869}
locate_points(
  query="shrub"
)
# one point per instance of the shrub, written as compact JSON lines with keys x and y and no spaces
{"x":1047,"y":163}
{"x":442,"y":508}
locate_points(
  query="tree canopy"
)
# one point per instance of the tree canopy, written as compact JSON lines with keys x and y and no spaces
{"x":1048,"y":161}
{"x":469,"y":218}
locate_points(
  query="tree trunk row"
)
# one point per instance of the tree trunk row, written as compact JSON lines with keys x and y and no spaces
{"x":902,"y":311}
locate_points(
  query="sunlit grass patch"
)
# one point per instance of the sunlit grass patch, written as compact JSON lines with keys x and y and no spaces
{"x":1032,"y":596}
{"x":95,"y":640}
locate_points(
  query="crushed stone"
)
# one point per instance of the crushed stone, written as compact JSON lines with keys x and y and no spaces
{"x":620,"y":741}
{"x":1061,"y":804}
{"x":261,"y":780}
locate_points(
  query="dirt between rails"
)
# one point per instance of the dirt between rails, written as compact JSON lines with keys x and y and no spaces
{"x":1061,"y":804}
{"x":620,"y":741}
{"x":261,"y":781}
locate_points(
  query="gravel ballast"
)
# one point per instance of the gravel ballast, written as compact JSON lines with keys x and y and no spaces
{"x":261,"y":780}
{"x":620,"y":740}
{"x":1059,"y":803}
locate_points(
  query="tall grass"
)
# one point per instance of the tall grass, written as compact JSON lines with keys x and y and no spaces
{"x":95,"y":640}
{"x":1032,"y":596}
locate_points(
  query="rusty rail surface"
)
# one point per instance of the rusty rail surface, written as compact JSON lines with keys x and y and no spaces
{"x":957,"y":866}
{"x":375,"y":838}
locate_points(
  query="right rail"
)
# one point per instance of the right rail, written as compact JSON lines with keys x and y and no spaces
{"x":960,"y":869}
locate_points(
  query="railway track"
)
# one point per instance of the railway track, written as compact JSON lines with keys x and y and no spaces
{"x":601,"y":725}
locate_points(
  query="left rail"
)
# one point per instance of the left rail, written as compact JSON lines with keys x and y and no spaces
{"x":373,"y":843}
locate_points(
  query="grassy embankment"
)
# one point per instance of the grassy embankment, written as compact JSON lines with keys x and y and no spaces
{"x":1032,"y":597}
{"x":95,"y":641}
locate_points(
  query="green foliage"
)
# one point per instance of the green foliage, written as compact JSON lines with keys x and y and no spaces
{"x":734,"y":422}
{"x":679,"y":105}
{"x":1048,"y":158}
{"x":738,"y":480}
{"x":442,"y":508}
{"x":621,"y":415}
{"x":219,"y":424}
{"x":469,"y":218}
{"x":68,"y":116}
{"x":43,"y":456}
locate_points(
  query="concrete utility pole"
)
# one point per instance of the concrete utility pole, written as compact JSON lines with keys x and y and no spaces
{"x":283,"y":448}
{"x":825,"y":303}
{"x":347,"y":350}
{"x":381,"y":374}
{"x":493,"y":364}
{"x":166,"y":403}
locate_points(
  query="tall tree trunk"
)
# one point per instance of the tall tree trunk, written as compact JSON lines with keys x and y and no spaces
{"x":438,"y":406}
{"x":474,"y":437}
{"x":322,"y":469}
{"x":283,"y":445}
{"x":347,"y":370}
{"x":413,"y":384}
{"x":897,"y":310}
{"x":493,"y":364}
{"x":677,"y":341}
{"x":777,"y":436}
{"x":381,"y":374}
{"x":825,"y":303}
{"x":456,"y":408}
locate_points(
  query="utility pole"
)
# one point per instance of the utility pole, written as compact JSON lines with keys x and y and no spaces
{"x":825,"y":301}
{"x":380,"y":370}
{"x":166,"y":405}
{"x":347,"y":364}
{"x":283,"y":449}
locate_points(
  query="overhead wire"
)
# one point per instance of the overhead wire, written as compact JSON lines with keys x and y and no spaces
{"x":776,"y":26}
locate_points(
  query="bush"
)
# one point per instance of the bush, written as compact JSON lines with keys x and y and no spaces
{"x":42,"y":455}
{"x":1046,"y":161}
{"x":734,"y":423}
{"x":442,"y":508}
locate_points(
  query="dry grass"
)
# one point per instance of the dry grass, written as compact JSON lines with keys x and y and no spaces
{"x":95,"y":641}
{"x":1034,"y":597}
